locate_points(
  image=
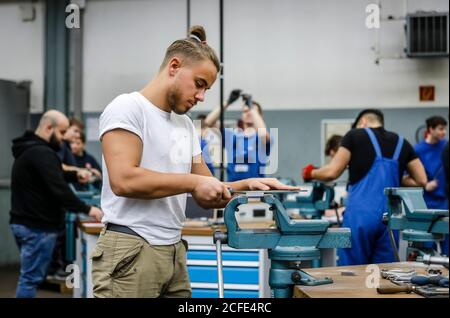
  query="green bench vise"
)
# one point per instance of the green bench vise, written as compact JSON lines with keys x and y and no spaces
{"x":313,"y":205}
{"x":289,"y":243}
{"x":407,"y":212}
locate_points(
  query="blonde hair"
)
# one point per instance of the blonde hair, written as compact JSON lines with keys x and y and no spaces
{"x":193,"y":48}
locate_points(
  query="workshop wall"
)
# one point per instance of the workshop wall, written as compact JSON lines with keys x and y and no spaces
{"x":308,"y":58}
{"x":9,"y":252}
{"x":22,"y":49}
{"x":317,"y":54}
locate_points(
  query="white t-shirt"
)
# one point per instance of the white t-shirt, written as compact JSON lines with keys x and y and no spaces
{"x":169,"y":143}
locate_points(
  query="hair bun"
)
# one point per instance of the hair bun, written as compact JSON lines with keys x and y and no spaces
{"x":199,"y":32}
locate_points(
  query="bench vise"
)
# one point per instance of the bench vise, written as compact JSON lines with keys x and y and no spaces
{"x":313,"y":205}
{"x":289,"y":243}
{"x":407,"y":212}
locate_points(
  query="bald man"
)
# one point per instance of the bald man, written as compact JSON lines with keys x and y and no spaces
{"x":40,"y":196}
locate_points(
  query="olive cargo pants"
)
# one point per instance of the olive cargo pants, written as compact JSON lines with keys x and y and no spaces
{"x":125,"y":265}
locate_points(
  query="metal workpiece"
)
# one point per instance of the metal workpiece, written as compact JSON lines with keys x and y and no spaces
{"x":434,"y":260}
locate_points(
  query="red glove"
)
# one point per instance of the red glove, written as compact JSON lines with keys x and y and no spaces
{"x":307,"y":171}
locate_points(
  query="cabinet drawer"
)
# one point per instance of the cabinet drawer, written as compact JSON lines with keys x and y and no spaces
{"x":226,"y":256}
{"x":231,"y":275}
{"x":213,"y":293}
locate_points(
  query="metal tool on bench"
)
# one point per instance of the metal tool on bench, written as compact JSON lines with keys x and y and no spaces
{"x":408,"y":213}
{"x":433,"y":260}
{"x":313,"y":206}
{"x":290,"y":243}
{"x":399,"y":275}
{"x":409,"y":288}
{"x":407,"y":281}
{"x":437,"y":280}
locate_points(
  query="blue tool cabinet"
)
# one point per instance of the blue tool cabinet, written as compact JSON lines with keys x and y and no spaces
{"x":245,"y":272}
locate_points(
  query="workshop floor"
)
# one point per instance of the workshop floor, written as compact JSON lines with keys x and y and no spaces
{"x":8,"y":281}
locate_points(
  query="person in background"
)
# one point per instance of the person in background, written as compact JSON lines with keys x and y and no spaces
{"x":84,"y":160}
{"x":40,"y":196}
{"x":332,"y":145}
{"x":376,"y":159}
{"x":58,"y":263}
{"x":65,"y":152}
{"x":245,"y":159}
{"x":204,"y":144}
{"x":331,"y":148}
{"x":429,"y":151}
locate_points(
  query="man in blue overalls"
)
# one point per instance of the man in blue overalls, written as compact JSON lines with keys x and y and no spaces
{"x":248,"y":146}
{"x":376,"y":159}
{"x":429,"y":152}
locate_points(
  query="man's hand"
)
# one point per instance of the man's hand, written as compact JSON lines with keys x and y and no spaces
{"x":83,"y":175}
{"x":211,"y":193}
{"x":96,"y":174}
{"x":265,"y":184}
{"x":307,"y":172}
{"x":234,"y":95}
{"x":96,"y":213}
{"x":431,"y":186}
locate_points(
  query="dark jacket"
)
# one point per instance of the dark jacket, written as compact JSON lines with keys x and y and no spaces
{"x":85,"y":159}
{"x":40,"y":194}
{"x":65,"y":154}
{"x":82,"y":162}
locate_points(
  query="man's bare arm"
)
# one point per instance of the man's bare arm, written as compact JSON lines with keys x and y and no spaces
{"x":199,"y":167}
{"x":417,"y":175}
{"x":213,"y":116}
{"x":122,"y":151}
{"x":335,"y":168}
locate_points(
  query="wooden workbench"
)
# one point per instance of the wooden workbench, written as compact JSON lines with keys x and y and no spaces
{"x":355,"y":286}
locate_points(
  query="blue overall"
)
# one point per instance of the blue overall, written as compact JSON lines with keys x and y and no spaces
{"x":430,"y":156}
{"x":246,"y":155}
{"x":364,"y":211}
{"x":206,"y":156}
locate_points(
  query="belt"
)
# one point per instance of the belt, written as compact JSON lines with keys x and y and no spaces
{"x":121,"y":229}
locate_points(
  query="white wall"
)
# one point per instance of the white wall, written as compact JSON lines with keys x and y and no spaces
{"x":22,"y":49}
{"x":317,"y":54}
{"x":290,"y":54}
{"x":124,"y":45}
